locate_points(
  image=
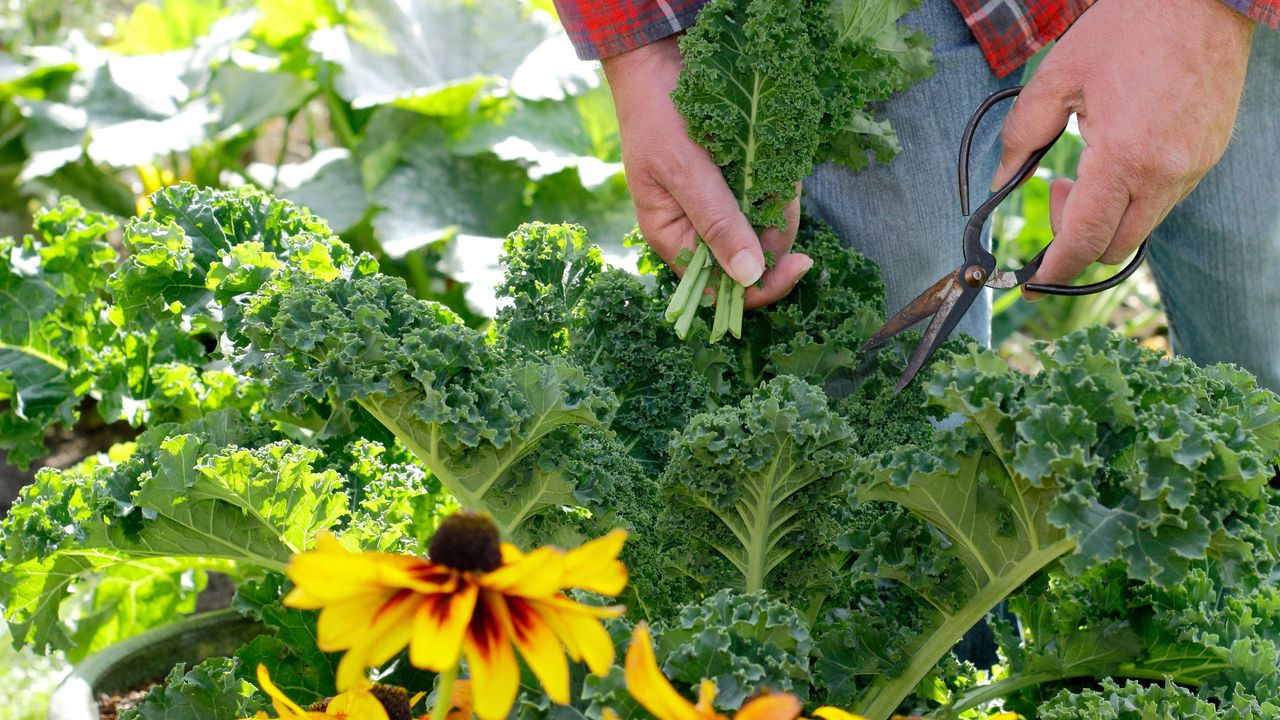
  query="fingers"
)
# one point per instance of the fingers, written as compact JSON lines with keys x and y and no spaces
{"x":1059,"y":189}
{"x":1138,"y":221}
{"x":1037,"y":116}
{"x":1091,"y":214}
{"x":779,"y":281}
{"x":716,"y":217}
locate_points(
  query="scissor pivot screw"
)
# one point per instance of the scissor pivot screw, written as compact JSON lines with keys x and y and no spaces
{"x":975,"y":277}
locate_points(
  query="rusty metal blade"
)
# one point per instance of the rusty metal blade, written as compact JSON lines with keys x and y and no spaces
{"x":956,"y":301}
{"x":925,"y":304}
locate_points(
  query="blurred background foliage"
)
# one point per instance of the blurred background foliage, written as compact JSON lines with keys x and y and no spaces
{"x":422,"y":131}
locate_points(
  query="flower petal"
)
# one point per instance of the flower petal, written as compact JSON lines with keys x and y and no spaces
{"x":578,"y":627}
{"x":439,"y":626}
{"x":341,"y":624}
{"x":281,"y":702}
{"x":330,"y":573}
{"x":358,"y":704}
{"x":774,"y":706}
{"x":595,"y":565}
{"x":534,"y":575}
{"x":495,"y":675}
{"x":510,"y":554}
{"x":540,"y":648}
{"x":389,"y":633}
{"x":706,"y":697}
{"x":826,"y":712}
{"x":649,"y":686}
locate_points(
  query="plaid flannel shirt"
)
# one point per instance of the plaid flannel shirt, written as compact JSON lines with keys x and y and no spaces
{"x":1009,"y":31}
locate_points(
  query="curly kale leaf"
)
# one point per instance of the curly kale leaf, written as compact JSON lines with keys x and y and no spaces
{"x":770,"y":88}
{"x":51,"y":322}
{"x":743,"y":642}
{"x":753,"y":492}
{"x":288,"y":647}
{"x":197,"y":248}
{"x":750,"y":95}
{"x":186,"y":500}
{"x":212,"y":690}
{"x":395,"y":504}
{"x":1110,"y":453}
{"x":1135,"y":701}
{"x":470,"y":415}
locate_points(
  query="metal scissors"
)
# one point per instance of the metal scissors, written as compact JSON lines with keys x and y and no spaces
{"x":950,"y":298}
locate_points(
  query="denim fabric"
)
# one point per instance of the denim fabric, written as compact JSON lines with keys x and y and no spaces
{"x":1216,"y":258}
{"x":906,"y":215}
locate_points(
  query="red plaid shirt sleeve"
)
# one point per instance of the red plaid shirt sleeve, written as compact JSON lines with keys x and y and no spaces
{"x":601,"y":28}
{"x":1011,"y":31}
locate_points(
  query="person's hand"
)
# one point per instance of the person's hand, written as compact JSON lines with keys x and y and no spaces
{"x":678,"y":190}
{"x":1156,"y":85}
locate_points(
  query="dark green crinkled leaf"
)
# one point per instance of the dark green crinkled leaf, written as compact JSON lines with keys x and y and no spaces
{"x":211,"y":690}
{"x":288,"y":650}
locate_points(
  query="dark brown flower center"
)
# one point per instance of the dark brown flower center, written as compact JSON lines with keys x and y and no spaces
{"x":467,"y":541}
{"x":394,"y":699}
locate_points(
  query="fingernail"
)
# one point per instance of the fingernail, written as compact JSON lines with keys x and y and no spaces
{"x":808,"y":263}
{"x":746,"y":268}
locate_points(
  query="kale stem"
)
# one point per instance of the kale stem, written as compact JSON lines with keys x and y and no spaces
{"x":737,"y":294}
{"x":724,"y":302}
{"x":680,"y":298}
{"x":695,"y":299}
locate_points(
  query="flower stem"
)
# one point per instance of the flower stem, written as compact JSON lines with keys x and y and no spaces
{"x":444,"y":694}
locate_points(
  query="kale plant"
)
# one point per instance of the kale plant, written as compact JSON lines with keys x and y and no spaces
{"x":773,"y":87}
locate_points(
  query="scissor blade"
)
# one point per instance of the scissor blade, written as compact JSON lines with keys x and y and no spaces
{"x":926,"y":303}
{"x":956,"y":301}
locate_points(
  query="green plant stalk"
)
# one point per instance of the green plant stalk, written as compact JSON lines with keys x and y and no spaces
{"x":680,"y":298}
{"x":723,"y":304}
{"x":685,"y":321}
{"x":737,"y":296}
{"x":444,"y":694}
{"x":884,"y":697}
{"x":994,"y":691}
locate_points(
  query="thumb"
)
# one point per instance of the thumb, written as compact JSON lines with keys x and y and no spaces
{"x":1038,"y":115}
{"x":713,"y":210}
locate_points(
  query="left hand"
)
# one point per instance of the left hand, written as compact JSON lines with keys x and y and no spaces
{"x":1156,"y":85}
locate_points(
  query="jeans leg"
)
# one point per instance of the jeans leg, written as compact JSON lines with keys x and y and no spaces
{"x":1216,"y":258}
{"x":906,"y":215}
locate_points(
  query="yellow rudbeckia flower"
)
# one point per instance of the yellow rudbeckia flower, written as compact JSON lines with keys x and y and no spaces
{"x":356,"y":704}
{"x":650,"y":688}
{"x":474,"y":597}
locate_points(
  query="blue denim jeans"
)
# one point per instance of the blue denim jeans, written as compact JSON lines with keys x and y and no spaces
{"x":1216,"y":258}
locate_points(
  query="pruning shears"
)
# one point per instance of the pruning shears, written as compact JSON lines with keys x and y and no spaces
{"x":948,"y":299}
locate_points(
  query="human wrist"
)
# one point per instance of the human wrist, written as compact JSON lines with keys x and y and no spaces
{"x":654,"y":65}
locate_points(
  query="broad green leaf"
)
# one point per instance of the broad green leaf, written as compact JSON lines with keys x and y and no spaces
{"x":392,"y":51}
{"x":167,"y":25}
{"x":245,"y":99}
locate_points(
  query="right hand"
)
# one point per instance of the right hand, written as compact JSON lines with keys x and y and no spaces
{"x":678,"y":191}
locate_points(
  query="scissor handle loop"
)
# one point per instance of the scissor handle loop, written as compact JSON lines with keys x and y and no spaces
{"x":979,"y":217}
{"x":1091,"y":288}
